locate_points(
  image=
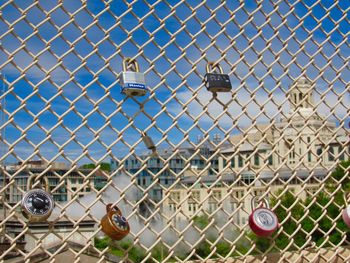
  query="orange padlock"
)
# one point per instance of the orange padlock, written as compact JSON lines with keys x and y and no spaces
{"x":114,"y":224}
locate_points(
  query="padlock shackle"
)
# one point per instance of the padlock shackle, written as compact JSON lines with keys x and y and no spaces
{"x":346,"y":198}
{"x":130,"y":61}
{"x":262,"y":199}
{"x":212,"y":65}
{"x":110,"y":207}
{"x":33,"y":176}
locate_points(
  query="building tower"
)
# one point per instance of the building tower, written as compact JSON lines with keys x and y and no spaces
{"x":301,"y":94}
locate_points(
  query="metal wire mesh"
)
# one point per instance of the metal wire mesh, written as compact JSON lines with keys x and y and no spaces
{"x":183,"y":163}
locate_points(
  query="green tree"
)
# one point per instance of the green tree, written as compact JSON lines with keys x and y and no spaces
{"x":103,"y":166}
{"x":341,"y":174}
{"x":201,"y":221}
{"x":120,"y":248}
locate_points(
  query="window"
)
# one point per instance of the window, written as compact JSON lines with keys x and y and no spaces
{"x":175,"y":197}
{"x":233,"y":162}
{"x":217,"y":195}
{"x":240,"y":161}
{"x":143,"y":181}
{"x":212,"y":207}
{"x":309,"y":159}
{"x":237,"y":195}
{"x":270,"y":159}
{"x":88,"y":189}
{"x":292,"y":157}
{"x":319,"y":151}
{"x":341,"y":154}
{"x":256,"y":159}
{"x":73,"y":181}
{"x":308,"y":139}
{"x":194,"y":207}
{"x":166,"y":181}
{"x":331,"y":154}
{"x":195,"y":195}
{"x":172,"y":207}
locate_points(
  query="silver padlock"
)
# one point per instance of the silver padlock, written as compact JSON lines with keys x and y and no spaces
{"x":37,"y":204}
{"x":133,"y":82}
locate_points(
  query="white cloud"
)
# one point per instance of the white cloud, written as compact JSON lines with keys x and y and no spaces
{"x":249,"y":104}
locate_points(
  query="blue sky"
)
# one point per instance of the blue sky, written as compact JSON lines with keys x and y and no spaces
{"x":78,"y":49}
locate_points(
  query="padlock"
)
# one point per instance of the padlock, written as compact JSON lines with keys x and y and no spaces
{"x":346,"y":215}
{"x":114,"y":224}
{"x":37,"y":204}
{"x":216,"y":82}
{"x":133,"y":82}
{"x":148,"y":142}
{"x":262,"y":220}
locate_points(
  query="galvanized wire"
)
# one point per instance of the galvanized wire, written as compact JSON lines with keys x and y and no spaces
{"x":280,"y":133}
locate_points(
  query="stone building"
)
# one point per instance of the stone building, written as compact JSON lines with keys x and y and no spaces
{"x":297,"y":151}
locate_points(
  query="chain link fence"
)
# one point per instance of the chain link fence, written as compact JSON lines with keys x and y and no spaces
{"x":181,"y":162}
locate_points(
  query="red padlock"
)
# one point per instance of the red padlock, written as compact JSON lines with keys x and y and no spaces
{"x":346,"y":215}
{"x":262,"y":220}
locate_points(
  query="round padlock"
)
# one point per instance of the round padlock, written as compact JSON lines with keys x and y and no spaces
{"x":262,"y":220}
{"x":114,"y":224}
{"x":37,"y":204}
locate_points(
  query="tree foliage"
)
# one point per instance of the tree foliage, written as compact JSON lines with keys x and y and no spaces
{"x":103,"y":166}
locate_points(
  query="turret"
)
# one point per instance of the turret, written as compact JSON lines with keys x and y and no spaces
{"x":301,"y":94}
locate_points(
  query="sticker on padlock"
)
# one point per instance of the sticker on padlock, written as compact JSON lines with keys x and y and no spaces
{"x":114,"y":224}
{"x":216,"y":81}
{"x":262,"y":221}
{"x":133,"y":82}
{"x":37,"y":204}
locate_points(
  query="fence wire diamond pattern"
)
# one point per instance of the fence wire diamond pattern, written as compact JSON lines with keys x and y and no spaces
{"x":182,"y":163}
